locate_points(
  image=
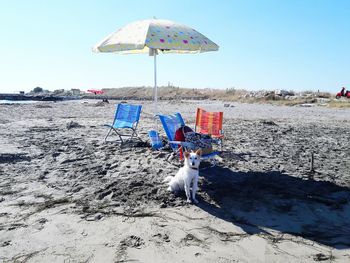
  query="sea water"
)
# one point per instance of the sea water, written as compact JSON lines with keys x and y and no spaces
{"x":17,"y":101}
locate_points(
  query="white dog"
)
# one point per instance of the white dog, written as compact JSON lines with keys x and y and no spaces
{"x":186,"y":175}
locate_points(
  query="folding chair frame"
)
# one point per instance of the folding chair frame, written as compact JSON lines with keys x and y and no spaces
{"x":130,"y":136}
{"x":133,"y":130}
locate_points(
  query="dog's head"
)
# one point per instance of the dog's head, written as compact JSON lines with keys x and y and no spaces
{"x":193,"y":159}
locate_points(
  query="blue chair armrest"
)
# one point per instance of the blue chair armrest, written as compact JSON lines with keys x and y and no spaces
{"x":184,"y":144}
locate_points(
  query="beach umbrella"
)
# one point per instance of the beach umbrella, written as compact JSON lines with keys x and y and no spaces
{"x":153,"y":36}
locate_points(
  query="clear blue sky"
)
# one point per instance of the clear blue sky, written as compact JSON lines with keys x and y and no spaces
{"x":289,"y":44}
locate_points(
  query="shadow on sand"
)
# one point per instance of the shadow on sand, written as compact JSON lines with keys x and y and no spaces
{"x":264,"y":202}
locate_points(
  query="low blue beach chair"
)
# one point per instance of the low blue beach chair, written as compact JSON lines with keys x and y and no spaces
{"x":173,"y":122}
{"x":170,"y":124}
{"x":126,"y":118}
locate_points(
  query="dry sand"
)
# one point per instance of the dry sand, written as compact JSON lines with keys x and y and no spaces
{"x":66,"y":196}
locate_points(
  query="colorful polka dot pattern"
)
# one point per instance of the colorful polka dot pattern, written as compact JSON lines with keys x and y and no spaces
{"x":163,"y":35}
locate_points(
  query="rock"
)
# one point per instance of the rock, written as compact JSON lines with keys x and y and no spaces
{"x":100,"y":104}
{"x":268,"y":122}
{"x":323,"y":100}
{"x":73,"y":124}
{"x":95,"y":217}
{"x":321,"y":257}
{"x":132,"y":241}
{"x":306,"y":105}
{"x":42,"y":106}
{"x":5,"y":243}
{"x":291,"y":97}
{"x":77,"y":189}
{"x":42,"y":220}
{"x":284,"y":93}
{"x":42,"y":176}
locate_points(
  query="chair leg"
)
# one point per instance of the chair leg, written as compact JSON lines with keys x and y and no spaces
{"x":181,"y":153}
{"x":120,"y":136}
{"x":137,"y":136}
{"x":132,"y":136}
{"x":134,"y":129}
{"x":108,"y":133}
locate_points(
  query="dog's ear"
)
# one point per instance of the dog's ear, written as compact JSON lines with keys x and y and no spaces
{"x":199,"y":152}
{"x":187,"y":154}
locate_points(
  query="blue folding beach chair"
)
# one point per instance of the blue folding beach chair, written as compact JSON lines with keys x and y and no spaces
{"x":173,"y":122}
{"x":170,"y":124}
{"x":126,"y":118}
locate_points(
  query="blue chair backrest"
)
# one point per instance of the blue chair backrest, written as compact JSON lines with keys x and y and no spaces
{"x":127,"y":113}
{"x":170,"y":124}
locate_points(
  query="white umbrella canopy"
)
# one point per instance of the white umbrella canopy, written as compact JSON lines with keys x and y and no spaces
{"x":153,"y":35}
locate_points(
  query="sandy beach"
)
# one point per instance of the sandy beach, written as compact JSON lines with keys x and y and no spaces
{"x":66,"y":196}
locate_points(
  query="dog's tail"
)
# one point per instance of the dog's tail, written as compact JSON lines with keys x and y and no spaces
{"x":167,"y":179}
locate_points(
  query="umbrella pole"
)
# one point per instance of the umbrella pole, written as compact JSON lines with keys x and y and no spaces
{"x":155,"y":83}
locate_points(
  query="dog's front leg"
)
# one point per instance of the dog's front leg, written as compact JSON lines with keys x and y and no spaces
{"x":188,"y":192}
{"x":194,"y":189}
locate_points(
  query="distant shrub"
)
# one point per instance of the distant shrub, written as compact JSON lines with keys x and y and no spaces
{"x":231,"y":90}
{"x":325,"y":95}
{"x":38,"y":90}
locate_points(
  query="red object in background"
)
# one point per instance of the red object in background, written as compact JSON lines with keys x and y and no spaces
{"x":343,"y":93}
{"x":95,"y":91}
{"x":180,"y":133}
